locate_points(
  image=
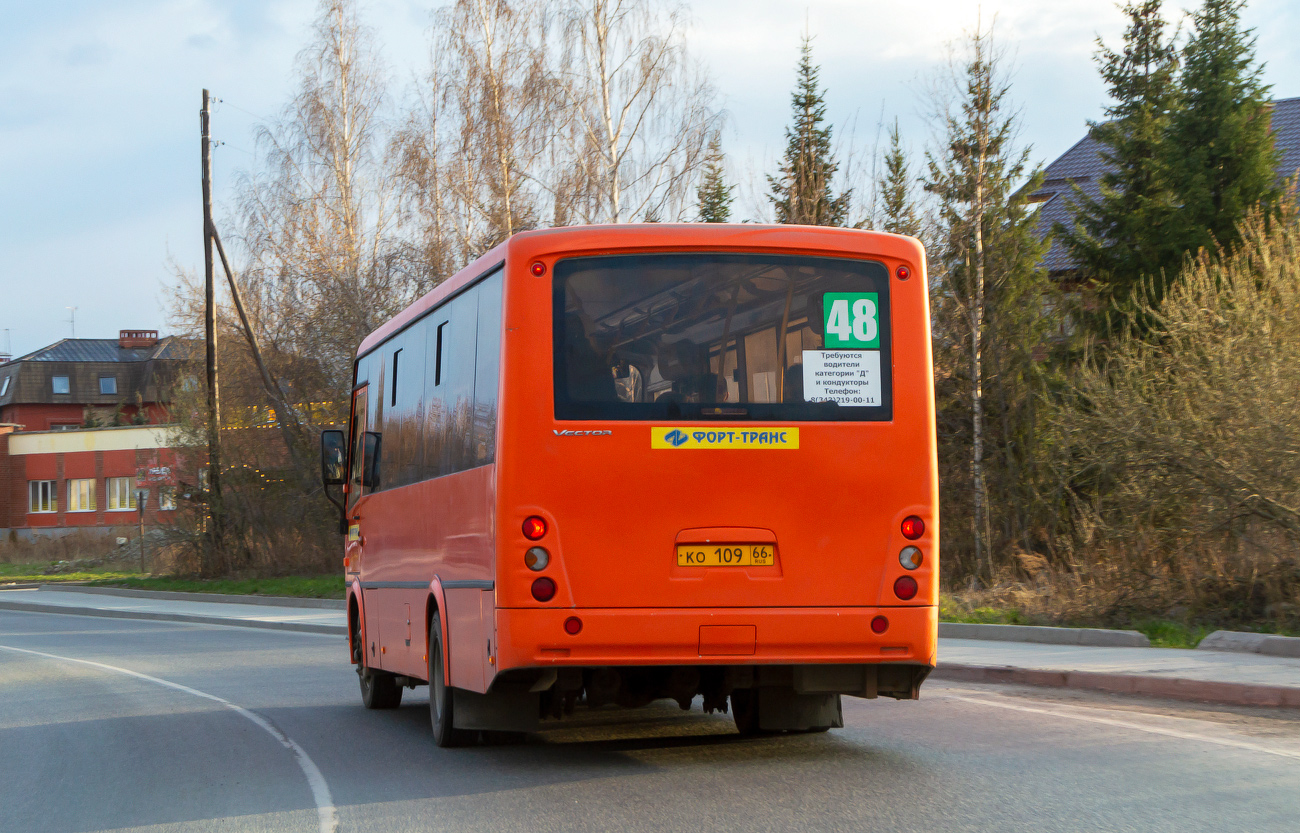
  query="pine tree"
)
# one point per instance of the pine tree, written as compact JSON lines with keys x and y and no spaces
{"x":1220,"y":151}
{"x":802,"y":192}
{"x":714,"y":194}
{"x":1124,"y":233}
{"x":989,"y":317}
{"x":897,"y":206}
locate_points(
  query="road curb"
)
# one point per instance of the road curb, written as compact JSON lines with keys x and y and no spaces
{"x":218,"y":598}
{"x":301,"y":627}
{"x":1175,"y":688}
{"x":1252,"y":643}
{"x":1100,"y":637}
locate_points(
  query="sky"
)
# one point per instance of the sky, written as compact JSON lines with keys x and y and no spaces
{"x":99,"y":100}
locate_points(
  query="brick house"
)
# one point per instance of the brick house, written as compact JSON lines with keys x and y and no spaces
{"x":56,"y":482}
{"x":123,"y":380}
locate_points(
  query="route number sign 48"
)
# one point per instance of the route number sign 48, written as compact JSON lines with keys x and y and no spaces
{"x":852,"y":319}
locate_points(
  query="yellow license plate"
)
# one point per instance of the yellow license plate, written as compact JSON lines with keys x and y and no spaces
{"x":725,"y":555}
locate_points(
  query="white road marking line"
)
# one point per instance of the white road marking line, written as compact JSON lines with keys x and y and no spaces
{"x":320,"y":791}
{"x":1124,"y":724}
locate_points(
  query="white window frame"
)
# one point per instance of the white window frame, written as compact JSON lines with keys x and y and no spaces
{"x":67,"y":384}
{"x":81,"y":494}
{"x":112,"y":380}
{"x":166,"y":498}
{"x":42,"y":497}
{"x":4,"y":385}
{"x":120,"y":488}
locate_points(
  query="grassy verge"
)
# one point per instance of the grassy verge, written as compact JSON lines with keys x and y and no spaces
{"x":306,"y":587}
{"x":28,"y":573}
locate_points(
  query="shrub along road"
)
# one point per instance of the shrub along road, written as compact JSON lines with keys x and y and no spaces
{"x":195,"y":727}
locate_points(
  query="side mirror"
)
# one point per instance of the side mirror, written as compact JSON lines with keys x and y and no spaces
{"x":370,"y":460}
{"x":333,"y":447}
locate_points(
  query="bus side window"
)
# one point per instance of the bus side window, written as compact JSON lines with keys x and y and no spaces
{"x":358,"y":431}
{"x":487,"y":370}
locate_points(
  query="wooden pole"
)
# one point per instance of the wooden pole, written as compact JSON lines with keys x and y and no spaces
{"x":216,"y":514}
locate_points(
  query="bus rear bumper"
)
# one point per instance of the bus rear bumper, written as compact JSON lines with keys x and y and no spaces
{"x":531,"y":638}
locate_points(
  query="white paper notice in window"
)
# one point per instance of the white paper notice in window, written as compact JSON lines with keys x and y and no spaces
{"x":849,"y":377}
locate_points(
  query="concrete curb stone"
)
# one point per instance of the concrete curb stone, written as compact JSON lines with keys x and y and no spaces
{"x":1174,"y":688}
{"x":220,"y":598}
{"x":1252,"y":643}
{"x":302,"y":627}
{"x":1045,"y":635}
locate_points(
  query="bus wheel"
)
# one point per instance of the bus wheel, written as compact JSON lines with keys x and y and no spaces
{"x":445,"y":734}
{"x":744,"y":710}
{"x":379,"y":690}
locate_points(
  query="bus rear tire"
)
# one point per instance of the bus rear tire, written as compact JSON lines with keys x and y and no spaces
{"x":744,"y":710}
{"x":445,"y":733}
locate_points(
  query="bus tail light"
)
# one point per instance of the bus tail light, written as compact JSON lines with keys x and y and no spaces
{"x":573,"y":626}
{"x":534,"y":528}
{"x":903,"y":273}
{"x":913,"y":527}
{"x":904,"y":587}
{"x":538,"y":268}
{"x":879,"y":625}
{"x":544,"y":589}
{"x":910,"y":558}
{"x":537,"y":558}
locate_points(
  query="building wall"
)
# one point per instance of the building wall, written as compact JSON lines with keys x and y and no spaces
{"x":45,"y":416}
{"x":146,"y":453}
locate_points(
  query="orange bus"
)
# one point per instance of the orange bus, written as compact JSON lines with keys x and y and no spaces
{"x":607,"y":465}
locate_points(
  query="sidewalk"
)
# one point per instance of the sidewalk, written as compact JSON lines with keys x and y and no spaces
{"x":218,"y":611}
{"x":1205,"y":676}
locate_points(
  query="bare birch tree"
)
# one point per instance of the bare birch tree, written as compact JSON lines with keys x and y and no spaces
{"x":318,"y":227}
{"x":639,"y":112}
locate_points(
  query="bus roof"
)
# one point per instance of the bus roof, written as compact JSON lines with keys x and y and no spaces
{"x":603,"y":238}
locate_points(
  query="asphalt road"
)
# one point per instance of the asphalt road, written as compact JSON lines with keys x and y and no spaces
{"x":112,"y":724}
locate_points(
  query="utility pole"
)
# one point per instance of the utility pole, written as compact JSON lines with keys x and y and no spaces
{"x":216,"y":513}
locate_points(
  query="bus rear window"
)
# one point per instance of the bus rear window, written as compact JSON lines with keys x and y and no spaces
{"x":724,"y":336}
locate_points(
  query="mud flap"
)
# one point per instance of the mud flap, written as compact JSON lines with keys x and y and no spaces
{"x":783,"y":709}
{"x":508,"y":710}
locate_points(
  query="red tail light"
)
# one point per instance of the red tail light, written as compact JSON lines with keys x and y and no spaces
{"x":913,"y":527}
{"x":904,"y":587}
{"x":573,"y":626}
{"x":903,"y":273}
{"x":538,"y":268}
{"x":534,"y":528}
{"x":879,"y":625}
{"x":544,"y":589}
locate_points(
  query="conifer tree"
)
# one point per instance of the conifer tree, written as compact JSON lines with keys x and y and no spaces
{"x":989,"y":312}
{"x":801,"y":193}
{"x":898,"y":209}
{"x":1124,"y":233}
{"x":714,"y":194}
{"x":1220,"y":151}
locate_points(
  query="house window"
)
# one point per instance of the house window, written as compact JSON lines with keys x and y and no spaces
{"x":121,"y":494}
{"x":60,"y":384}
{"x":107,"y":385}
{"x":4,"y":385}
{"x":43,"y":496}
{"x":166,"y":498}
{"x":81,"y":495}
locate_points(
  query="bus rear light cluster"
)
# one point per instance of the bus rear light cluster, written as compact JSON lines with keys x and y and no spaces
{"x":543,"y":589}
{"x":913,"y":527}
{"x":904,"y":587}
{"x":573,"y":626}
{"x":879,"y":625}
{"x":910,"y":558}
{"x":534,"y":528}
{"x":537,"y":558}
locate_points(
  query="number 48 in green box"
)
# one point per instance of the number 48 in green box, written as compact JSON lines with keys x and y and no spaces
{"x":852,"y":319}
